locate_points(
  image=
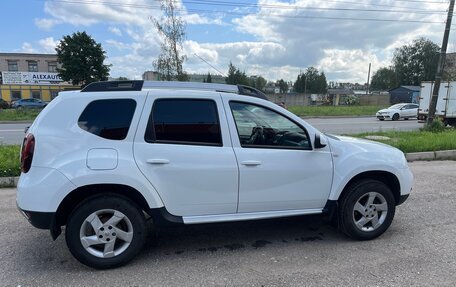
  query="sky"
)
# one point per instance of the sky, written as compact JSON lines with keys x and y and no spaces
{"x":270,"y":38}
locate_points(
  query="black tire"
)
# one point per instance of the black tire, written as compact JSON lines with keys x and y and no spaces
{"x":348,"y":214}
{"x":102,"y":204}
{"x":406,"y":119}
{"x":395,"y":117}
{"x":381,"y":119}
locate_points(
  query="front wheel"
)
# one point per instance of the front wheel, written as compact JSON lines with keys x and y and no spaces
{"x":366,"y":210}
{"x":395,"y":117}
{"x":106,"y":231}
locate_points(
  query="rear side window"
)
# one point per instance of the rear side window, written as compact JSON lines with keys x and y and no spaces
{"x":183,"y":121}
{"x":109,"y":119}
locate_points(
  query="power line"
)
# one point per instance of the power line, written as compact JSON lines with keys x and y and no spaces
{"x":221,"y":73}
{"x":151,"y":7}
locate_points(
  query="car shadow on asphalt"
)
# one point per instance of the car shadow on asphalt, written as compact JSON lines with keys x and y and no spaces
{"x":238,"y":236}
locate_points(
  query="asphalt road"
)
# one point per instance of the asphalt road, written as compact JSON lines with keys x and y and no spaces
{"x":14,"y":133}
{"x":417,"y":250}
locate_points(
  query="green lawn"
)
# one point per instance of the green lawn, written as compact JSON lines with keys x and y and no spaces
{"x":18,"y":115}
{"x":315,"y":111}
{"x":9,"y":160}
{"x":418,"y":141}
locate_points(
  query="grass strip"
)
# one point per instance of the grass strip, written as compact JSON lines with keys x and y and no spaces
{"x":417,"y":141}
{"x":315,"y":111}
{"x":18,"y":115}
{"x":9,"y":160}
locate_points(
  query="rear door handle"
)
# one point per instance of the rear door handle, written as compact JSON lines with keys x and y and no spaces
{"x":157,"y":161}
{"x":251,"y":162}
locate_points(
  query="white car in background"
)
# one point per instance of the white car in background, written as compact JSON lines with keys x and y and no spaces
{"x":398,"y":111}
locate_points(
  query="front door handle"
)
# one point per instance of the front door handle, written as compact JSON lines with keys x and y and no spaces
{"x":157,"y":161}
{"x":251,"y":162}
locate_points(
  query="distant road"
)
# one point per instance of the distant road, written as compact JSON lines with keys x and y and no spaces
{"x":360,"y":125}
{"x":14,"y":133}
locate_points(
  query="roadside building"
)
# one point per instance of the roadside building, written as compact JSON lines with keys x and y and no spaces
{"x":25,"y":76}
{"x":404,"y":94}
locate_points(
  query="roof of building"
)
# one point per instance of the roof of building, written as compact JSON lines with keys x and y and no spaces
{"x":28,"y":54}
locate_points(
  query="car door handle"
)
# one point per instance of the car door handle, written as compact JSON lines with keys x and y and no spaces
{"x":251,"y":162}
{"x":157,"y":161}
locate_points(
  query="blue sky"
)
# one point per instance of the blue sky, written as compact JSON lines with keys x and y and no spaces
{"x":275,"y":39}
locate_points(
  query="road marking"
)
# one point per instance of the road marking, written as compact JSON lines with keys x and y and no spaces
{"x":12,"y":130}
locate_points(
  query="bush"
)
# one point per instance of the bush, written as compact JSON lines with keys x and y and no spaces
{"x":436,"y":126}
{"x":9,"y":160}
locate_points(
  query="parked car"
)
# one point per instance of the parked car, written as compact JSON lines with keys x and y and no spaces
{"x":29,"y":103}
{"x":398,"y":111}
{"x":4,"y":104}
{"x":101,"y":160}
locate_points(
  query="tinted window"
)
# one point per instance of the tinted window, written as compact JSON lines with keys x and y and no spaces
{"x":184,"y":121}
{"x":109,"y":119}
{"x":261,"y":127}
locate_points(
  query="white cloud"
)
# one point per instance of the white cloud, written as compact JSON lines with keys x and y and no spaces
{"x":27,"y":48}
{"x":48,"y":45}
{"x":116,"y":31}
{"x":282,"y":38}
{"x":46,"y":24}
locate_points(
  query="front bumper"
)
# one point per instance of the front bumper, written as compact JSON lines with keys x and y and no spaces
{"x":383,"y":116}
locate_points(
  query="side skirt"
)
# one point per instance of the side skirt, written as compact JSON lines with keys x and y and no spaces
{"x":247,"y":216}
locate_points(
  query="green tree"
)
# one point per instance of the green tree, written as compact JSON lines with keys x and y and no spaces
{"x":384,"y":79}
{"x":171,"y":27}
{"x":236,"y":77}
{"x":283,"y":86}
{"x":311,"y":82}
{"x":82,"y":59}
{"x":209,"y":78}
{"x":259,"y":83}
{"x":416,"y":62}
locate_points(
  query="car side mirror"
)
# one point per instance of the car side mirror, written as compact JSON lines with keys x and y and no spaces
{"x":320,"y":141}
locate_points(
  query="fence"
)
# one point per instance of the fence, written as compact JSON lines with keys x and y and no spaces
{"x":305,"y":100}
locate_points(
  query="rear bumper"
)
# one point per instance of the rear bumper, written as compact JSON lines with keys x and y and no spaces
{"x":41,"y":220}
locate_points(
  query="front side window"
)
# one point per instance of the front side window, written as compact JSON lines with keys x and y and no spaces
{"x":12,"y":66}
{"x":258,"y":126}
{"x":109,"y":119}
{"x":33,"y":66}
{"x":184,"y":121}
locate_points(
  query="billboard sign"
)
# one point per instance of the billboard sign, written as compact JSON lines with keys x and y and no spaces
{"x":31,"y":78}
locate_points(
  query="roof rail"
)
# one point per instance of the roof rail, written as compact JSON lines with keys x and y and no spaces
{"x":140,"y":85}
{"x":113,"y":86}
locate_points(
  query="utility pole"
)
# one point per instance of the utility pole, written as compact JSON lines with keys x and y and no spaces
{"x":368,"y":79}
{"x":440,"y":66}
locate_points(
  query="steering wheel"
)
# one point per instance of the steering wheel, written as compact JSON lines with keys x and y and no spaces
{"x":257,"y":136}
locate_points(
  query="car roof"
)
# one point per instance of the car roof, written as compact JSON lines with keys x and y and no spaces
{"x":106,"y":86}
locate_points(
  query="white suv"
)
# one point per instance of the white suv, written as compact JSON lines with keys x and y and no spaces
{"x":102,"y":160}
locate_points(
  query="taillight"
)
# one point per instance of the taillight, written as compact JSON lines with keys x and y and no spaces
{"x":28,"y":147}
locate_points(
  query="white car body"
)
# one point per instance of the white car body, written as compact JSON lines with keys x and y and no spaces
{"x":190,"y":183}
{"x":398,"y":111}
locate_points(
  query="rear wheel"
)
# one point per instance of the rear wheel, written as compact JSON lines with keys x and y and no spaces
{"x":395,"y":117}
{"x":106,"y":231}
{"x":366,"y":210}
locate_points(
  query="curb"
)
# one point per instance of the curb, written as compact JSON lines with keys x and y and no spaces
{"x":431,"y":155}
{"x":8,"y":181}
{"x":414,"y":156}
{"x":16,"y":122}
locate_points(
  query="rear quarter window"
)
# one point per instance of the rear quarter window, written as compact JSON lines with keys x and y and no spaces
{"x":108,"y":119}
